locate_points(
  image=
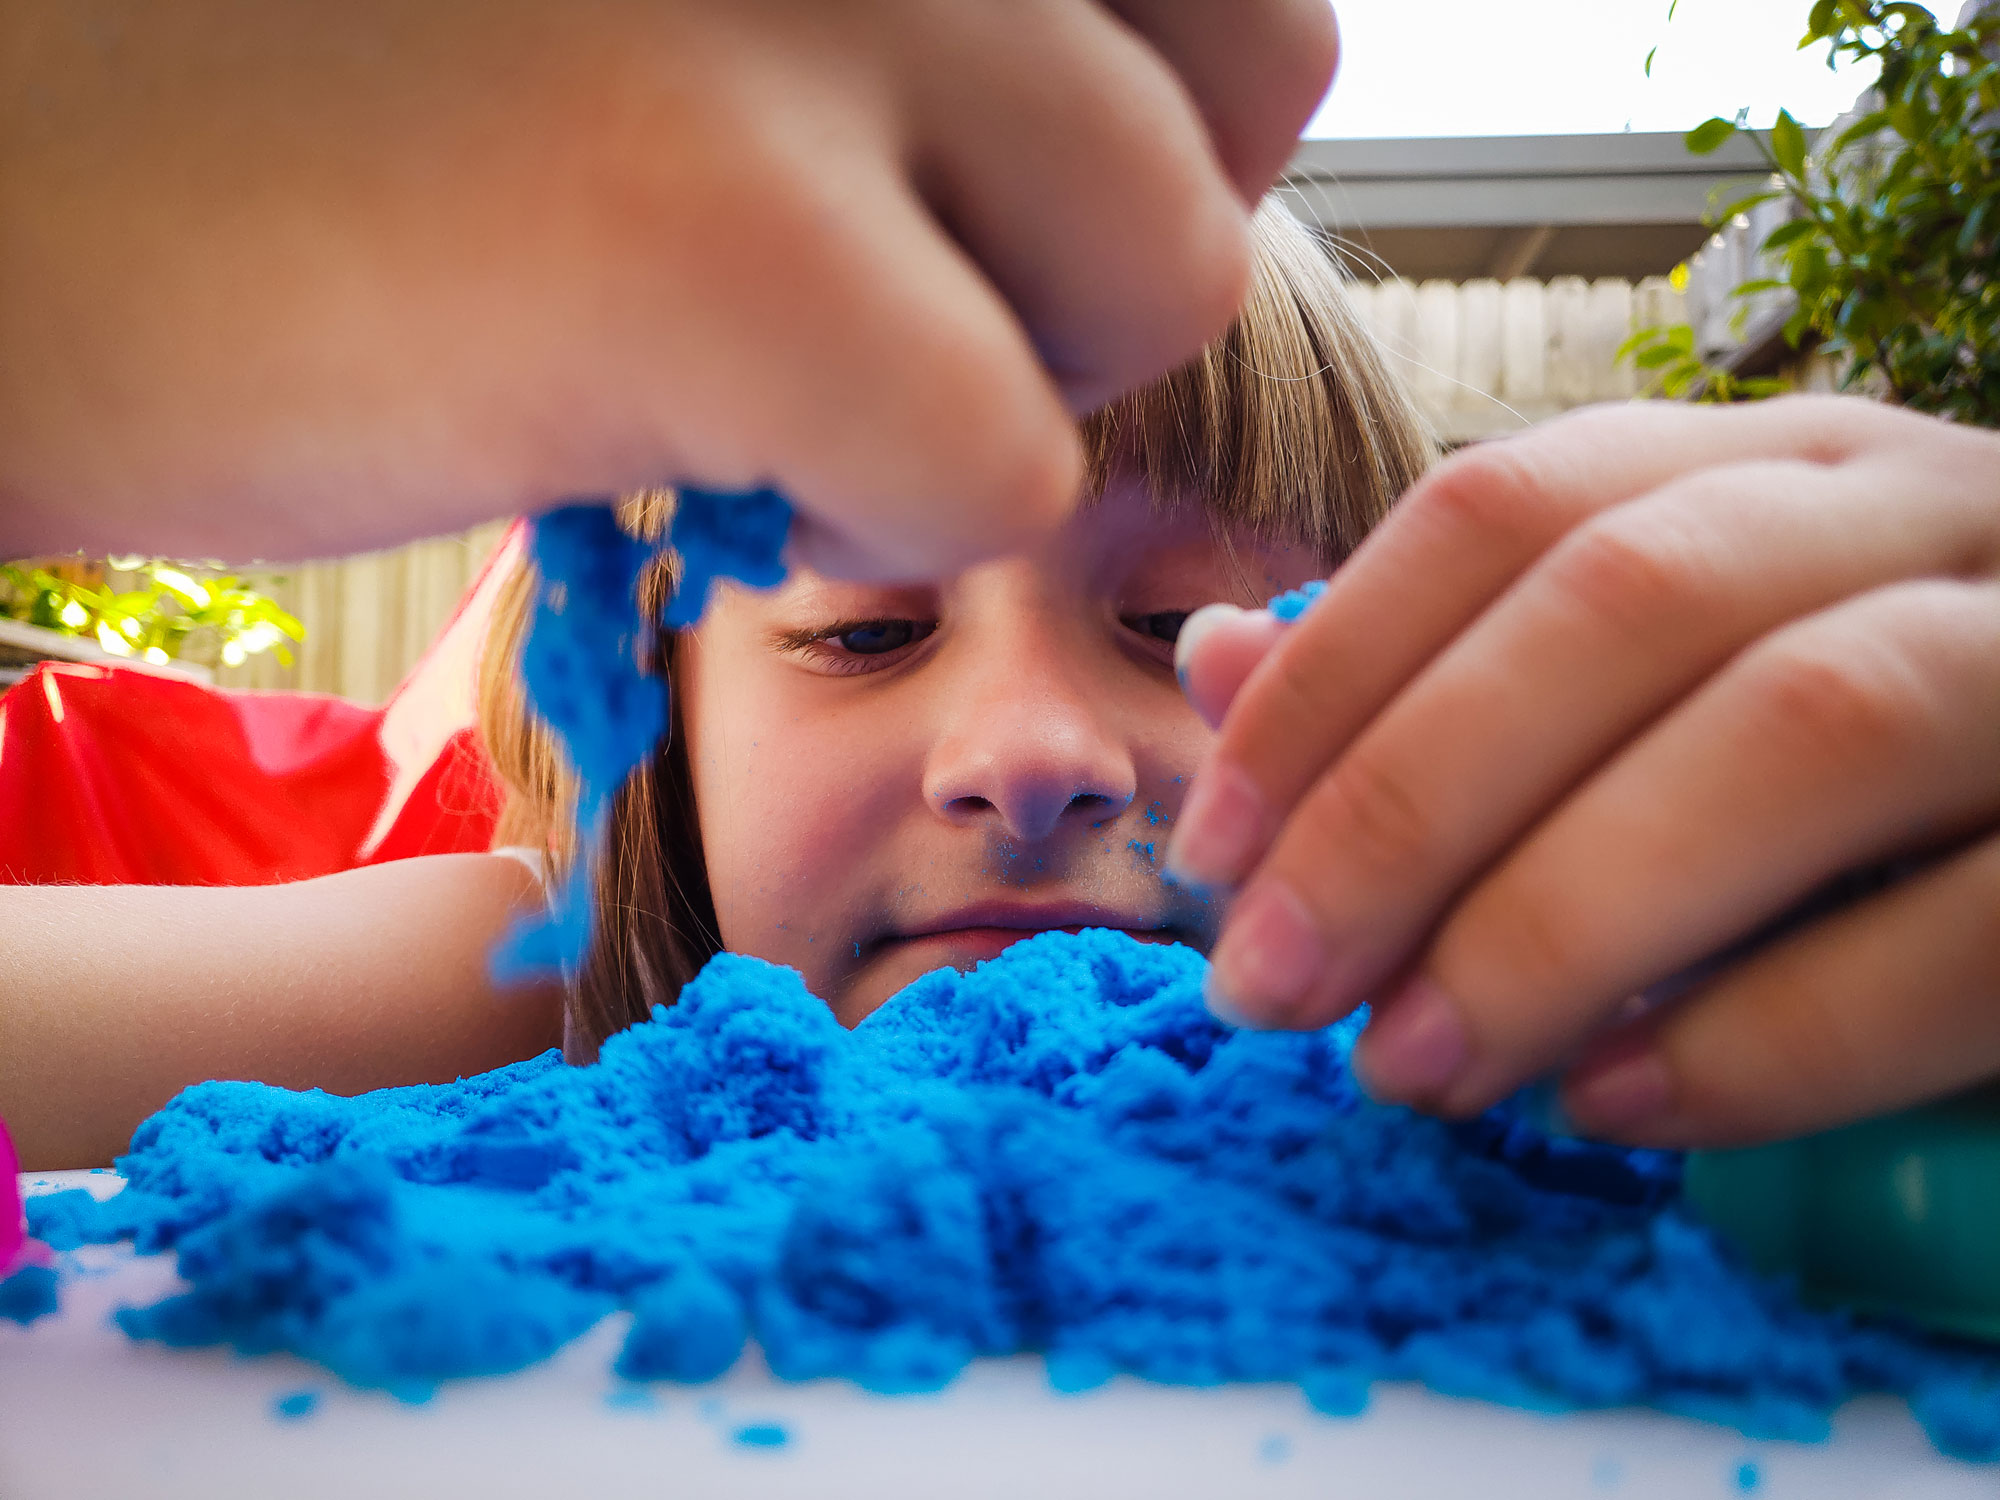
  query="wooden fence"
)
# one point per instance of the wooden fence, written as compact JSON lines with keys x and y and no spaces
{"x":1484,"y":358}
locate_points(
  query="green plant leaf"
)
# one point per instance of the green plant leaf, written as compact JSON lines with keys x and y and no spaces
{"x":1789,"y":233}
{"x":1788,"y":145}
{"x":1709,"y":135}
{"x":1867,"y":125}
{"x":1968,"y":236}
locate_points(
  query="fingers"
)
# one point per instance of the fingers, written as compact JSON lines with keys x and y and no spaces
{"x":1868,"y":730}
{"x":1219,"y":646}
{"x":1257,"y":70}
{"x":907,"y":414}
{"x":1622,"y":617}
{"x":1076,"y":171}
{"x":1891,"y":1002}
{"x":1451,"y":546}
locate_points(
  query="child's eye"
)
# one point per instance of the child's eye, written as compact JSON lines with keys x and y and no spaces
{"x":856,"y":645}
{"x":879,"y":637}
{"x":1164,"y":625}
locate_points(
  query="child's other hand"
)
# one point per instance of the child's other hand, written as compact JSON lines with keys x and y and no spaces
{"x":1595,"y":702}
{"x":286,"y":278}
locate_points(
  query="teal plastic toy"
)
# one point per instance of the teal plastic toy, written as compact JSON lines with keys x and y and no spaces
{"x":1896,"y":1215}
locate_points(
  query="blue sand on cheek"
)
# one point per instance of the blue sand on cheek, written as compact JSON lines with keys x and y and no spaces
{"x":1060,"y":1151}
{"x":1290,"y":605}
{"x":581,"y":666}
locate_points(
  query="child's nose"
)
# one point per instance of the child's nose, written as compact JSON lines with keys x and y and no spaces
{"x":1033,"y":766}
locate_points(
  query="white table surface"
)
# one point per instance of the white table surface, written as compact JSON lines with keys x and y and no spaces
{"x":87,"y":1413}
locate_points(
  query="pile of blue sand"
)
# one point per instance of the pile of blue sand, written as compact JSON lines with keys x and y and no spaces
{"x":1059,"y":1151}
{"x":583,"y":671}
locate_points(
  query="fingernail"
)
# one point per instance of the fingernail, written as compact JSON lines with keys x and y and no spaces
{"x":1194,"y":629}
{"x":1221,"y":1006}
{"x":1415,"y":1047}
{"x":1270,"y":955}
{"x":1221,"y":827}
{"x":1621,"y":1093}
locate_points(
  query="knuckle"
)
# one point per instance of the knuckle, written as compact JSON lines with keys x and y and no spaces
{"x":1528,"y":944}
{"x":1848,"y":698}
{"x":1829,"y":430}
{"x":1371,"y":817}
{"x":1631,"y":572}
{"x":1489,"y":494}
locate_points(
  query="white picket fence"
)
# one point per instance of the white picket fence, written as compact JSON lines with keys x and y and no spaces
{"x":367,"y":618}
{"x":1484,"y":358}
{"x":1488,"y":357}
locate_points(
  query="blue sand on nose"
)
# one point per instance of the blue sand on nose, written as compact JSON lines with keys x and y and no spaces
{"x":1060,"y":1151}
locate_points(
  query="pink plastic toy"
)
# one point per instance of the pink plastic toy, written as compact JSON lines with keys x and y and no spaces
{"x":16,"y":1249}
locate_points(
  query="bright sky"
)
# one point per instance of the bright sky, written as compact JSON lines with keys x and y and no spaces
{"x":1556,"y":67}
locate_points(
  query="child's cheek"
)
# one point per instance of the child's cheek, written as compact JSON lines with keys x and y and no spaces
{"x":785,"y":814}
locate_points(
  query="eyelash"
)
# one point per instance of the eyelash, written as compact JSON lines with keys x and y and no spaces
{"x":822,"y":645}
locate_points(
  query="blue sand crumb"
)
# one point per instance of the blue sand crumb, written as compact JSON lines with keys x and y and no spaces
{"x":761,"y":1435}
{"x":1059,"y":1151}
{"x":634,"y":1398}
{"x":1607,"y":1473}
{"x":297,"y":1406}
{"x":1275,"y":1449}
{"x":740,"y":536}
{"x":1290,"y":605}
{"x":1749,"y":1477}
{"x":28,"y":1294}
{"x":581,"y":666}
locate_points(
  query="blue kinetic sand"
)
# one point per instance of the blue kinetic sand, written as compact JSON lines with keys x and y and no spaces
{"x":583,"y":670}
{"x":28,"y":1294}
{"x":1060,"y":1151}
{"x":1289,"y":605}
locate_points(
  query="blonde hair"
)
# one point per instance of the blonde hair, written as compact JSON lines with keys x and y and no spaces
{"x":1290,"y":424}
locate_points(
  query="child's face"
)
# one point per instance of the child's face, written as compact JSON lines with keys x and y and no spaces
{"x":891,"y":779}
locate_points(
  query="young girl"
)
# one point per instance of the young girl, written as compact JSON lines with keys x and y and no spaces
{"x":863,"y":781}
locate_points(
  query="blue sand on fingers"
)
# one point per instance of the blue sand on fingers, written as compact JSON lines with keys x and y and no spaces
{"x":1061,"y":1151}
{"x":583,"y":669}
{"x":1290,"y":605}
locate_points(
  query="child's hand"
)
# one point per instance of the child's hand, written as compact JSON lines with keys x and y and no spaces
{"x":1593,"y":703}
{"x":280,"y":278}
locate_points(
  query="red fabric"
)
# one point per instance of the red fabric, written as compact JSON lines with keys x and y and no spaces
{"x":110,"y":776}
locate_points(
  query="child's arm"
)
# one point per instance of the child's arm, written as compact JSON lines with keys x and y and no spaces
{"x":113,"y":998}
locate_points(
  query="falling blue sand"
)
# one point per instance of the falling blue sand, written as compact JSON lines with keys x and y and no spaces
{"x":1058,"y":1152}
{"x":583,"y":665}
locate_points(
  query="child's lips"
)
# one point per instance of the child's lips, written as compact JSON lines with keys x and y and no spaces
{"x":974,"y":942}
